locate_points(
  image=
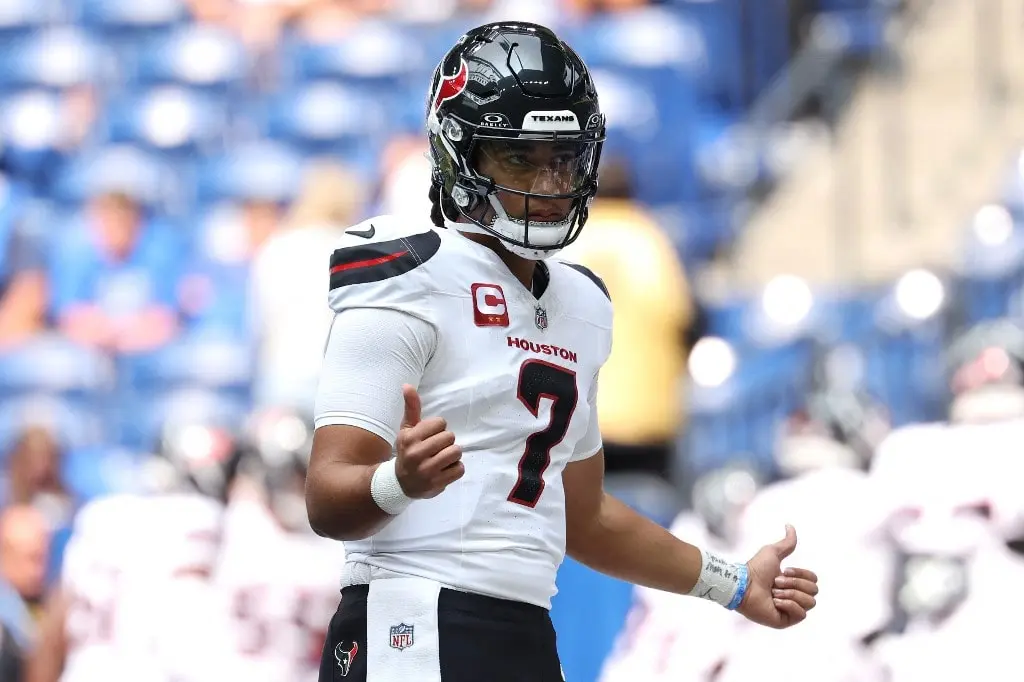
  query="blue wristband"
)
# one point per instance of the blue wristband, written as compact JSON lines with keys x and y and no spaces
{"x":741,"y":590}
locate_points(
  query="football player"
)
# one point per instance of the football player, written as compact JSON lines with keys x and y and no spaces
{"x":280,"y":577}
{"x":134,"y":591}
{"x":465,"y":349}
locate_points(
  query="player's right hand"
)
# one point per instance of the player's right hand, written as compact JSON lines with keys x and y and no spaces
{"x":428,"y":459}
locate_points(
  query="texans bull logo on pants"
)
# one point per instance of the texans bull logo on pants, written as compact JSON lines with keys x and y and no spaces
{"x":345,"y":658}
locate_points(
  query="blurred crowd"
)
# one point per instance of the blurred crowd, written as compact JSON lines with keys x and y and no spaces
{"x":173,"y":175}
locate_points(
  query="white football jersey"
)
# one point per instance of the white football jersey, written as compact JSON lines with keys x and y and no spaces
{"x":802,"y":654}
{"x":100,"y":579}
{"x":281,"y":589}
{"x":515,"y":378}
{"x":973,"y":640}
{"x":840,"y":518}
{"x":939,"y":471}
{"x":124,"y":553}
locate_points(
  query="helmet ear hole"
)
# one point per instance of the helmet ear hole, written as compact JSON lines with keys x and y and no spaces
{"x":461,"y":197}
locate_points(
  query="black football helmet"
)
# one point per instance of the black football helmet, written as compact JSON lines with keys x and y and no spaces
{"x":840,"y":423}
{"x":512,"y":112}
{"x":280,"y":442}
{"x":985,"y":366}
{"x":193,"y":458}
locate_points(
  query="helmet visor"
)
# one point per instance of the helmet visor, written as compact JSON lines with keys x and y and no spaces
{"x":555,"y":168}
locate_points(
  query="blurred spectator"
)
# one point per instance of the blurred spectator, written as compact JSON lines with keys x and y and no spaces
{"x":24,"y":544}
{"x":22,"y":272}
{"x":639,"y":401}
{"x":321,"y":21}
{"x":406,"y":171}
{"x":586,"y":7}
{"x":114,"y":273}
{"x":34,"y":476}
{"x":214,"y":292}
{"x":289,"y":282}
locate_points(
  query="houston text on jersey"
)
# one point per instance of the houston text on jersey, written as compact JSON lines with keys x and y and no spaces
{"x":541,"y":348}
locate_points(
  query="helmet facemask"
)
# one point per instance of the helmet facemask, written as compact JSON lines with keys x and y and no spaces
{"x":530,"y":188}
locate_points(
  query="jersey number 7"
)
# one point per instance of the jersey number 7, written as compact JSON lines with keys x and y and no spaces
{"x":537,"y":380}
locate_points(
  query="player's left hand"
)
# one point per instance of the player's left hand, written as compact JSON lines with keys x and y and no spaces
{"x":777,"y":598}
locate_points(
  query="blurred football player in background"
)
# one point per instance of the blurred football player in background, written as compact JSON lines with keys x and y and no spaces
{"x":132,"y":556}
{"x":640,"y":405}
{"x":280,"y":578}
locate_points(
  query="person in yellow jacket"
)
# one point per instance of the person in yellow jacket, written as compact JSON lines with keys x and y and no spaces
{"x":639,"y":404}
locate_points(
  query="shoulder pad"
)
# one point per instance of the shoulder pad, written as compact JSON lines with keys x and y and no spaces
{"x":907,"y":445}
{"x":378,"y":249}
{"x":590,"y":275}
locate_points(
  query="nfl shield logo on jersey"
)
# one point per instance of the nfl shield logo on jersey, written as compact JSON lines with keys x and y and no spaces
{"x":540,"y":318}
{"x":401,"y":636}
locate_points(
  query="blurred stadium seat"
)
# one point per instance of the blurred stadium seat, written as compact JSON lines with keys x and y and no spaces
{"x":327,"y":118}
{"x":72,"y":424}
{"x":54,"y":366}
{"x":19,"y":18}
{"x":260,"y":170}
{"x":195,"y":56}
{"x":168,"y":120}
{"x":54,"y":58}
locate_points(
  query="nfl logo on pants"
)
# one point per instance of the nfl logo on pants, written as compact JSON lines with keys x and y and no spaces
{"x":401,"y":636}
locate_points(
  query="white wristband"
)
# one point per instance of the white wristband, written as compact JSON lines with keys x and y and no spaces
{"x":720,"y":581}
{"x":387,"y":491}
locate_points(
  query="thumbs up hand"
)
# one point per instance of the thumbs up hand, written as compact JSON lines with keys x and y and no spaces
{"x":428,"y":459}
{"x":777,"y":598}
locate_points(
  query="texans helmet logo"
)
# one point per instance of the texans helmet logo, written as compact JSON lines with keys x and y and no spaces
{"x":451,"y":86}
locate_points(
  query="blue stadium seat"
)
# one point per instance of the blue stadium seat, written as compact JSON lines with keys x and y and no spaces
{"x":847,"y":5}
{"x":990,"y":283}
{"x":377,"y":55}
{"x":53,"y":365}
{"x":209,"y":362}
{"x":72,"y":424}
{"x":648,"y":38}
{"x":723,"y":81}
{"x":699,"y":229}
{"x":747,"y":45}
{"x":31,"y":125}
{"x":328,"y":118}
{"x":651,"y":117}
{"x":433,"y":42}
{"x":196,"y":56}
{"x":114,"y":17}
{"x":739,"y":418}
{"x":767,"y":42}
{"x":855,"y":32}
{"x":141,"y":423}
{"x":899,"y":350}
{"x":170,"y":120}
{"x":119,"y":167}
{"x":19,"y":18}
{"x":260,"y":170}
{"x":56,"y":58}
